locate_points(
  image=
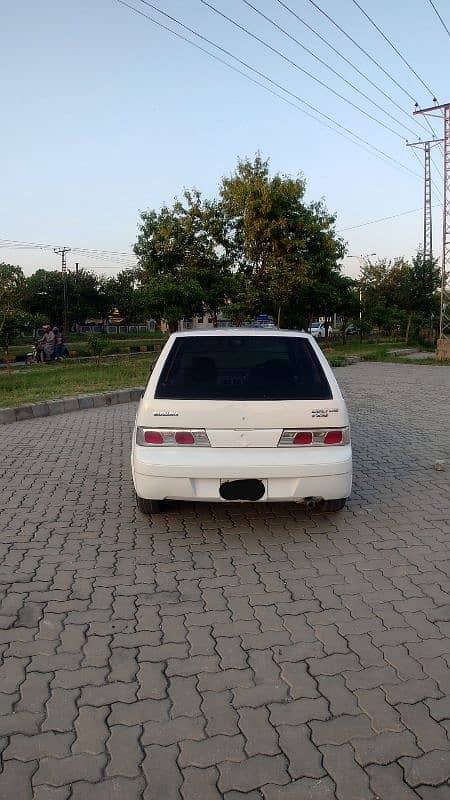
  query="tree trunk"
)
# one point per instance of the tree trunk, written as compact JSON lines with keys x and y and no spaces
{"x":8,"y":365}
{"x":279,"y":317}
{"x":408,"y":328}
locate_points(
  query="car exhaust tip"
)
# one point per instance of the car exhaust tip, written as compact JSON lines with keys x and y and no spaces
{"x":312,"y":502}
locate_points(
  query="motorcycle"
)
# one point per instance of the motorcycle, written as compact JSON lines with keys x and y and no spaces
{"x":36,"y":355}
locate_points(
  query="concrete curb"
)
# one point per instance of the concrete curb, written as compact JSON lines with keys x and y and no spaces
{"x":66,"y":404}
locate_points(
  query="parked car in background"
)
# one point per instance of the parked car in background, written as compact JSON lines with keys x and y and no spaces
{"x":352,"y":330}
{"x":242,"y":415}
{"x":317,"y":329}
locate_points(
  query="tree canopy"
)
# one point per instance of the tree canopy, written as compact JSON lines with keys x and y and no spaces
{"x":257,"y":245}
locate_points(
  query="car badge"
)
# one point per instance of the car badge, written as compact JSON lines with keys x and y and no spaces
{"x":323,"y":412}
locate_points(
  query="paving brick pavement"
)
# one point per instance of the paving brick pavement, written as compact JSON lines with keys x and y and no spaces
{"x":228,"y":651}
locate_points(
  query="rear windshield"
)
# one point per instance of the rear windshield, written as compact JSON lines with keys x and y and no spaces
{"x":242,"y":368}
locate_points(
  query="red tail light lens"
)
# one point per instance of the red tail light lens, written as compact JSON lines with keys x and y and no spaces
{"x":303,"y":437}
{"x":316,"y":437}
{"x":170,"y":438}
{"x":333,"y":437}
{"x":184,"y":437}
{"x":153,"y":437}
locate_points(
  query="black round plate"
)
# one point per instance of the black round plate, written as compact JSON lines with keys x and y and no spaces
{"x":249,"y":489}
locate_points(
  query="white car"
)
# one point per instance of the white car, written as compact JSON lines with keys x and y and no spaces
{"x":242,"y":415}
{"x":317,"y":329}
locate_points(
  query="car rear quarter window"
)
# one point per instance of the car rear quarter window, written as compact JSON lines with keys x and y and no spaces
{"x":242,"y":368}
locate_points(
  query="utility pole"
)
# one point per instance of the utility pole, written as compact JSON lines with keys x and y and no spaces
{"x":427,"y":215}
{"x":443,"y":349}
{"x":61,"y":251}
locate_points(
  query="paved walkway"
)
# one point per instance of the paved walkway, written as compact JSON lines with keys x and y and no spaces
{"x":228,"y":651}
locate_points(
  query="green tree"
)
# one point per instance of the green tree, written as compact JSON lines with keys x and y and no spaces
{"x":396,"y":294}
{"x":273,"y":236}
{"x":12,"y":287}
{"x":12,"y":316}
{"x":44,"y":294}
{"x":96,"y":345}
{"x":125,"y":292}
{"x":181,"y":269}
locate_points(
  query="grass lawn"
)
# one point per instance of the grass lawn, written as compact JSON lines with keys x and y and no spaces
{"x":354,"y":347}
{"x":51,"y":381}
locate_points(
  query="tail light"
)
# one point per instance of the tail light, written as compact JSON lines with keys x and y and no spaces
{"x":315,"y":437}
{"x":161,"y":437}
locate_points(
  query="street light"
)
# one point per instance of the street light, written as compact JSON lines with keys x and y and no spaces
{"x":361,"y":258}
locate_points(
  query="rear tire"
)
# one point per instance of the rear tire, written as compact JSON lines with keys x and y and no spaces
{"x":148,"y":506}
{"x":334,"y":505}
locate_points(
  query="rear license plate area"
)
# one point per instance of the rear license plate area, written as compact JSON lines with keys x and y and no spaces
{"x":248,"y":489}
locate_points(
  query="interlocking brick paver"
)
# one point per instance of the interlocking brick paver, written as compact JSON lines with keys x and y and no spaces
{"x":91,"y":730}
{"x":124,"y":751}
{"x":51,"y":793}
{"x":432,"y":768}
{"x":304,"y":758}
{"x":314,"y":648}
{"x":184,"y":697}
{"x":260,"y":736}
{"x":340,"y":729}
{"x":60,"y":771}
{"x":15,"y":779}
{"x":225,"y":679}
{"x":352,"y":783}
{"x":138,"y":712}
{"x":383,"y":748}
{"x":108,"y":693}
{"x":212,"y":750}
{"x":118,"y":787}
{"x":200,"y":784}
{"x":434,"y":792}
{"x":252,"y":773}
{"x":383,"y":717}
{"x":412,"y":691}
{"x":298,"y":711}
{"x":388,"y":782}
{"x":161,"y":770}
{"x":152,"y":681}
{"x":220,"y":715}
{"x":429,"y":734}
{"x":175,"y":730}
{"x":305,"y":788}
{"x":340,"y":699}
{"x":27,"y":748}
{"x":300,"y":682}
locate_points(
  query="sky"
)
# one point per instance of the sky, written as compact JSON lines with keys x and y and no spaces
{"x":104,"y":114}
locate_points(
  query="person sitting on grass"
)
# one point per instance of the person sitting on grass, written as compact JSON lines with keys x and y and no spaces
{"x":61,"y":350}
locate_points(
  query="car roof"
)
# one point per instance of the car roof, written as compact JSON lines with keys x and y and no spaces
{"x":242,"y":332}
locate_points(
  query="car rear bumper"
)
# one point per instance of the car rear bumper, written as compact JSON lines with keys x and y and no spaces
{"x":288,"y":475}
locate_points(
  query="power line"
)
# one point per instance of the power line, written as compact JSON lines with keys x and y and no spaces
{"x":347,"y":61}
{"x":110,"y":255}
{"x":394,"y":48}
{"x":327,"y":66}
{"x":297,"y":66}
{"x":350,"y":136}
{"x":381,"y":219}
{"x":364,"y":142}
{"x":397,"y":51}
{"x":438,"y":14}
{"x":371,"y":58}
